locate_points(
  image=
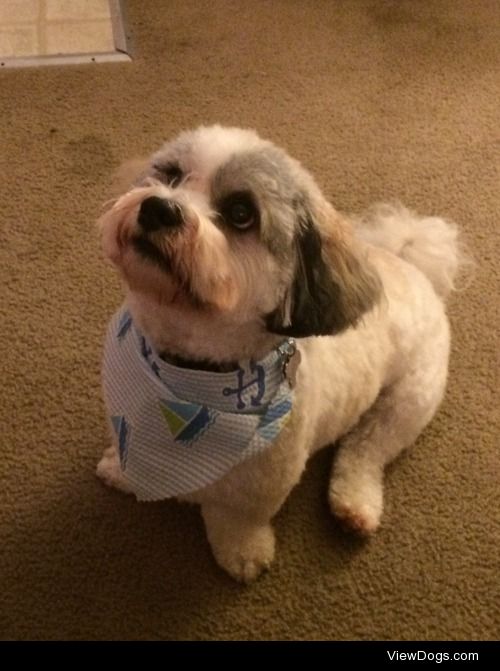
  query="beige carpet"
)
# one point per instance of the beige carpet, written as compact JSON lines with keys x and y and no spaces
{"x":380,"y":99}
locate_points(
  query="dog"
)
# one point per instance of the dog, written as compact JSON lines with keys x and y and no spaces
{"x":260,"y":325}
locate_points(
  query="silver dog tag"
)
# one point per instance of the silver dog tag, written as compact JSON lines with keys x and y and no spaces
{"x":291,"y":360}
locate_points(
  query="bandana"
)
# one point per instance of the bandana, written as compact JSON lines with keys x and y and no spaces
{"x":178,"y":429}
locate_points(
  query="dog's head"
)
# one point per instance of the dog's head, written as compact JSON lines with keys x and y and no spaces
{"x":224,"y":232}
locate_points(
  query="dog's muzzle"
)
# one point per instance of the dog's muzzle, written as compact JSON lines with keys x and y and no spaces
{"x":159,"y":214}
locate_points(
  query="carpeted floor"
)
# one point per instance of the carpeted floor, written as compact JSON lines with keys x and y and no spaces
{"x":380,"y":99}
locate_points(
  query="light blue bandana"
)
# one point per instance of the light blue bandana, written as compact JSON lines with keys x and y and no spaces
{"x":178,"y":429}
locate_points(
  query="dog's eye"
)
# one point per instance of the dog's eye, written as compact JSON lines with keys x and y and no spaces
{"x":174,"y":175}
{"x":239,"y":212}
{"x":171,"y":174}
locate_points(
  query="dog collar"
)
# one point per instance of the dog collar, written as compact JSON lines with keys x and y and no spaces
{"x":179,"y":429}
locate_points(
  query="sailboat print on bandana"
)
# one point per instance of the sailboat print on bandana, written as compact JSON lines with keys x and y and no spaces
{"x":187,"y":421}
{"x":122,"y":433}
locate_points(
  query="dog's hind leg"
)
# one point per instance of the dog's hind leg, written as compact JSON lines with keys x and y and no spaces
{"x":392,"y":424}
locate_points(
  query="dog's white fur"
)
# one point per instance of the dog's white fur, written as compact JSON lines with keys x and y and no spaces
{"x":375,"y":384}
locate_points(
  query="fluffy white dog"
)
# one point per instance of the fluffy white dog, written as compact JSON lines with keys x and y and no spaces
{"x":229,"y":253}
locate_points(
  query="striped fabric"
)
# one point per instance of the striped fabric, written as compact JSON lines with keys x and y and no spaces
{"x":179,"y":430}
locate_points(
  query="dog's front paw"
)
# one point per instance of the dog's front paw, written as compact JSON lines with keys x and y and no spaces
{"x":241,"y":547}
{"x":110,"y":471}
{"x":249,"y":556}
{"x":357,"y":502}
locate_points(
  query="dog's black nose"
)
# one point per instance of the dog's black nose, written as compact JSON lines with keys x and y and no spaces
{"x":156,"y":213}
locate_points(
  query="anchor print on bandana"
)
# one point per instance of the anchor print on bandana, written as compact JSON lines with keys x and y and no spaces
{"x":258,"y":381}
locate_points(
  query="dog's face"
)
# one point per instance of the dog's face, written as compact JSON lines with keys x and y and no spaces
{"x":223,"y":231}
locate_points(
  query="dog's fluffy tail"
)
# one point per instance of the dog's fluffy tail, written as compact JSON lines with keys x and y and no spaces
{"x":431,"y":244}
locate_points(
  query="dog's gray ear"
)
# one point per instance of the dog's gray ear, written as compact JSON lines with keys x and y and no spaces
{"x":331,"y":289}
